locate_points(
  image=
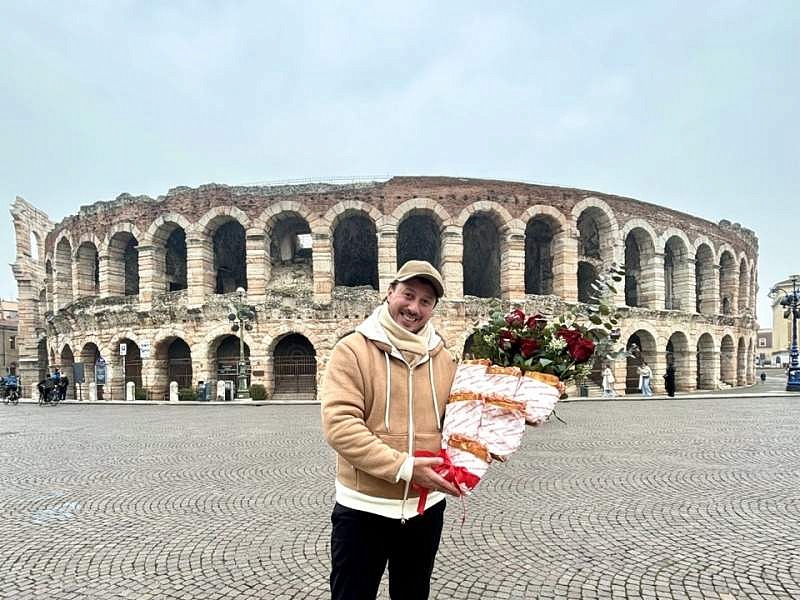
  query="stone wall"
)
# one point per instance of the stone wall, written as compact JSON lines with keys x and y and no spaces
{"x":479,"y":229}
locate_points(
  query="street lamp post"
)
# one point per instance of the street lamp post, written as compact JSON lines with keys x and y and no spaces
{"x":241,"y":317}
{"x":790,"y":301}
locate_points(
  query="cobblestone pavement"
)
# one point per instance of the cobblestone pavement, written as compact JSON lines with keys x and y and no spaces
{"x":671,"y":499}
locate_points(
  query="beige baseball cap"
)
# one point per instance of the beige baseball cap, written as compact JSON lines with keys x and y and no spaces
{"x":423,"y":269}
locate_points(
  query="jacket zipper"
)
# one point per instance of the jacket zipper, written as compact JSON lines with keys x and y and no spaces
{"x":410,"y":437}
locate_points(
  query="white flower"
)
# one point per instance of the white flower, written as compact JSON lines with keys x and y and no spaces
{"x":556,"y":343}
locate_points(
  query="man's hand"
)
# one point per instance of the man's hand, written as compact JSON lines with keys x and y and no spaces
{"x":425,"y":476}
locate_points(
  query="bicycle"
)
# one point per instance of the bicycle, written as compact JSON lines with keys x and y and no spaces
{"x":50,"y":397}
{"x":11,"y":396}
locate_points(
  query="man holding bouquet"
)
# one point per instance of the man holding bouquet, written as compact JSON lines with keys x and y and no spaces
{"x":383,"y":399}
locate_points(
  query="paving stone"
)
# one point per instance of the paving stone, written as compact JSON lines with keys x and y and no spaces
{"x":678,"y":499}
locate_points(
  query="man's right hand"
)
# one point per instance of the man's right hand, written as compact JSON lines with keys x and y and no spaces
{"x":425,"y":476}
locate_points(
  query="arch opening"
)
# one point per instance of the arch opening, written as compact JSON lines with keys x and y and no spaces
{"x":230,"y":258}
{"x":539,"y":253}
{"x":355,"y":251}
{"x":481,"y":258}
{"x":419,"y":238}
{"x":294,"y":367}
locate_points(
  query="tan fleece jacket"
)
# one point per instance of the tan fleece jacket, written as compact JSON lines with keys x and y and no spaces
{"x":368,"y":428}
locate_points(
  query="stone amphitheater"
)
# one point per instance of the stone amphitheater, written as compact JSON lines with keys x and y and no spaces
{"x":159,"y":277}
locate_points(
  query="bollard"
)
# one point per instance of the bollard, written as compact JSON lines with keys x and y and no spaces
{"x":221,"y":391}
{"x":92,"y":392}
{"x":173,"y":391}
{"x":130,"y":391}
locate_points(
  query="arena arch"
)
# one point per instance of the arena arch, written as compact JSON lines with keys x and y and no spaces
{"x":741,"y":362}
{"x":36,"y":245}
{"x":171,"y":361}
{"x":63,"y":272}
{"x":294,"y":368}
{"x":641,"y":346}
{"x":481,"y":256}
{"x":744,"y":286}
{"x":678,"y":277}
{"x":167,"y":239}
{"x":90,"y":353}
{"x":88,"y":261}
{"x":597,"y":230}
{"x":705,"y":281}
{"x":727,"y":283}
{"x":640,"y":278}
{"x":67,"y":366}
{"x":122,"y":264}
{"x":223,"y":353}
{"x":355,"y":250}
{"x":540,"y":254}
{"x":679,"y":356}
{"x":727,"y":361}
{"x":706,"y":357}
{"x":129,"y":366}
{"x":419,"y":237}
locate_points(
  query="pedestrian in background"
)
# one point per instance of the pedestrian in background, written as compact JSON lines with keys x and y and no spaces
{"x":669,"y":381}
{"x":644,"y":379}
{"x":608,"y":383}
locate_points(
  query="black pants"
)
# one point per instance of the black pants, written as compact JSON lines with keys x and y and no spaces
{"x":362,"y":544}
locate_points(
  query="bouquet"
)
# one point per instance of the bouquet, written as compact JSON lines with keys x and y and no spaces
{"x":520,"y":367}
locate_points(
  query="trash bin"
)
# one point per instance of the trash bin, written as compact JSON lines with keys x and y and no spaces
{"x":583,"y":390}
{"x":201,"y":391}
{"x":211,"y":391}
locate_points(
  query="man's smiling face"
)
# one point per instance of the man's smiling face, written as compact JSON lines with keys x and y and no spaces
{"x":411,"y":303}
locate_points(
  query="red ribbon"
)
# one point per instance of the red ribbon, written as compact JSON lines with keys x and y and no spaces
{"x":453,"y":474}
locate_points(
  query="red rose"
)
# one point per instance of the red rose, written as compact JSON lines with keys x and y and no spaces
{"x":580,"y":349}
{"x":515,"y":318}
{"x":537,"y":321}
{"x":568,"y":334}
{"x":527,"y":347}
{"x":506,"y":340}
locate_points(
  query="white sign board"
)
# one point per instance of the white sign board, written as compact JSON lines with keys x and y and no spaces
{"x":123,"y":349}
{"x":144,"y":348}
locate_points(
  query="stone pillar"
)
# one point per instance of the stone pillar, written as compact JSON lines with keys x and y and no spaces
{"x":257,"y":261}
{"x":512,"y":265}
{"x":322,"y":258}
{"x":452,"y":265}
{"x":173,"y":391}
{"x":130,"y":391}
{"x":151,"y":273}
{"x":387,"y":255}
{"x":199,"y":270}
{"x":686,"y":371}
{"x":565,"y":267}
{"x":658,"y":367}
{"x":620,"y":370}
{"x":652,"y":282}
{"x":105,"y":276}
{"x":683,"y":297}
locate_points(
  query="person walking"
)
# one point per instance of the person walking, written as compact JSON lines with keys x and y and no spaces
{"x":383,"y":398}
{"x":608,"y":383}
{"x":644,"y":379}
{"x":669,"y":381}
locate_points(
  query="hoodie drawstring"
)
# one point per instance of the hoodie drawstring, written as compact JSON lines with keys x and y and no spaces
{"x":388,"y":391}
{"x":433,"y":395}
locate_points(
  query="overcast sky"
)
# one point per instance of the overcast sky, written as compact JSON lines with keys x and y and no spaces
{"x":691,"y":105}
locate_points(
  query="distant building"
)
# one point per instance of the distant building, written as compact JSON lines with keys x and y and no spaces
{"x":764,"y":349}
{"x":781,"y":325}
{"x":9,"y":324}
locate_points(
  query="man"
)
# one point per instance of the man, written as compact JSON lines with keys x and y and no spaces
{"x":383,"y":398}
